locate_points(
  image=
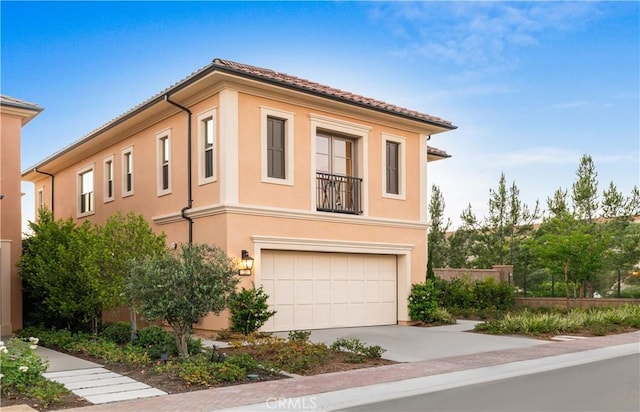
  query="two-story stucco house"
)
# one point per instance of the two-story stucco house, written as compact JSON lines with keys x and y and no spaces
{"x":14,"y":115}
{"x":325,"y":189}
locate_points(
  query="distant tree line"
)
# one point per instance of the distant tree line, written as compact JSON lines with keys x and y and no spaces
{"x":580,"y":241}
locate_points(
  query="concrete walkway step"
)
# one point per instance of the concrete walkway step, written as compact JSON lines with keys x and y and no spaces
{"x":565,"y":338}
{"x":99,"y":385}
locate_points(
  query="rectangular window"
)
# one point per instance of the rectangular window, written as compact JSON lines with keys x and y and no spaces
{"x":393,"y":167}
{"x":85,"y":191}
{"x":108,"y":179}
{"x":164,"y":170}
{"x":40,"y":199}
{"x":206,"y":147}
{"x":127,"y":172}
{"x":277,"y":146}
{"x":393,"y":176}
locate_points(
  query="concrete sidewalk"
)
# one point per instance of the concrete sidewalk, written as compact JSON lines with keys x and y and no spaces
{"x":59,"y":362}
{"x":253,"y":395}
{"x":413,"y":344}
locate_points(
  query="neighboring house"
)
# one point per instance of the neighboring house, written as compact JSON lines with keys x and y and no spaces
{"x":325,"y":189}
{"x":14,"y":115}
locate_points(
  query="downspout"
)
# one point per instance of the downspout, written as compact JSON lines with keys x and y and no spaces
{"x":52,"y":187}
{"x":183,"y":211}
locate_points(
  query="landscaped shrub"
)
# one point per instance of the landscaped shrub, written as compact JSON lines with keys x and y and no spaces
{"x":55,"y":339}
{"x":290,"y":356}
{"x":358,"y":349}
{"x":244,"y":361}
{"x":423,"y":301}
{"x":424,"y":306}
{"x":154,"y":335}
{"x":118,"y":332}
{"x":156,"y":340}
{"x":455,"y":294}
{"x":249,"y":310}
{"x":200,"y":370}
{"x":593,"y":321}
{"x":21,"y":373}
{"x":299,"y":335}
{"x":480,"y":298}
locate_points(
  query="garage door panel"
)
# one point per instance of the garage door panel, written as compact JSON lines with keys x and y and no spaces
{"x":304,"y":290}
{"x":356,"y":314}
{"x":321,"y":290}
{"x":387,"y":291}
{"x":284,"y":317}
{"x":356,"y":267}
{"x":283,"y":265}
{"x":303,"y":265}
{"x":339,"y":313}
{"x":284,"y":292}
{"x":322,"y":263}
{"x":303,"y":316}
{"x":372,"y":292}
{"x":356,"y":291}
{"x":339,"y":266}
{"x":339,"y":291}
{"x":322,"y":315}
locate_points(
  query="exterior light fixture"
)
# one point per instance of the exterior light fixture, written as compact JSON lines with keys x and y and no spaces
{"x":246,"y":264}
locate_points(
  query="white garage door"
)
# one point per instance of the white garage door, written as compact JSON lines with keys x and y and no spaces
{"x":311,"y":290}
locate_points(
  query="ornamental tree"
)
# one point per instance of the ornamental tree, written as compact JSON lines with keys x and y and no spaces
{"x":181,"y":287}
{"x":61,"y":274}
{"x":125,"y":238}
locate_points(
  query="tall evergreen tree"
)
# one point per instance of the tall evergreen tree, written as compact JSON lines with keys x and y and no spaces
{"x":437,"y":238}
{"x":496,"y":239}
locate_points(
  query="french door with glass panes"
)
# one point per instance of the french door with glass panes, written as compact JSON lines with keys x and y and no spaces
{"x":337,"y":187}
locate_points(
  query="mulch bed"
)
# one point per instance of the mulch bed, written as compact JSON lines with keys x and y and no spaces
{"x":173,"y":384}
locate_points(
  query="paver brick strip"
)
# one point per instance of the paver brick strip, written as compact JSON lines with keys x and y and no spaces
{"x":236,"y":396}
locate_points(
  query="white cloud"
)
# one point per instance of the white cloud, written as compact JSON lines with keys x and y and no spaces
{"x":478,"y":34}
{"x":570,"y":105}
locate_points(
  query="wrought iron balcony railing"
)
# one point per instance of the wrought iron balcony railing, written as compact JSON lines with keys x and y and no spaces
{"x":338,"y":194}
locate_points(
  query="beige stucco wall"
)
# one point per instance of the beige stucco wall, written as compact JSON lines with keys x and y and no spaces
{"x":239,"y":211}
{"x":10,"y":223}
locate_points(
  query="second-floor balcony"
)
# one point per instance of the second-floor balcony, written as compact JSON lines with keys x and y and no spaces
{"x":338,"y":194}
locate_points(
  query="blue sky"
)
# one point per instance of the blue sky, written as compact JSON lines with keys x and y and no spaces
{"x":531,"y":86}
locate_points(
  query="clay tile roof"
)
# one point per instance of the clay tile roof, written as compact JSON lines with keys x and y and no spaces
{"x":331,"y":92}
{"x":12,"y":101}
{"x":437,"y":152}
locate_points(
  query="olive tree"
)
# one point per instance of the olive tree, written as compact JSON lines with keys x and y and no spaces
{"x":181,"y":287}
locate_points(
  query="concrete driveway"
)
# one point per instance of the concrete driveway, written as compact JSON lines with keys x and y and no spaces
{"x":411,"y":343}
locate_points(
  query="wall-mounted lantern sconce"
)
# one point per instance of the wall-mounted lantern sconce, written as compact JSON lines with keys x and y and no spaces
{"x":246,"y":264}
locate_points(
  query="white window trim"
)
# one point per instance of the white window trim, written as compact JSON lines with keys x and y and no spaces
{"x":40,"y":203}
{"x":159,"y":136}
{"x":79,"y":173}
{"x":361,"y":133}
{"x":105,"y":188}
{"x":212,"y":113}
{"x":123,"y":153}
{"x":402,"y":143}
{"x":266,"y":112}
